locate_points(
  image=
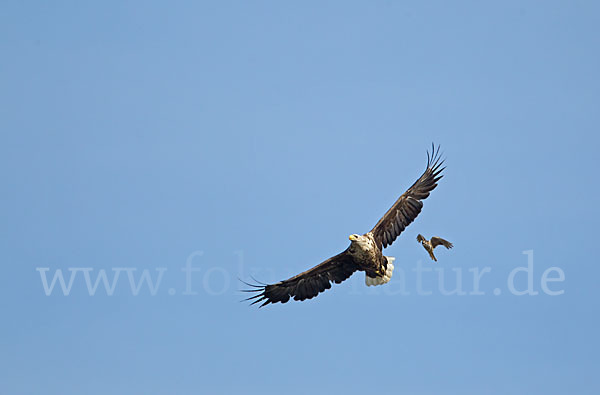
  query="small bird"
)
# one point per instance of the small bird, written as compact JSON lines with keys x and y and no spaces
{"x":429,"y":245}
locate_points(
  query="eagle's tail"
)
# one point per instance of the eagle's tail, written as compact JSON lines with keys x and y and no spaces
{"x":382,"y":279}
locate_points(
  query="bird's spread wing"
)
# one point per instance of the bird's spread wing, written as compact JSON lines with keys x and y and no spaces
{"x":306,"y":285}
{"x":436,"y":241}
{"x":420,"y":238}
{"x":409,"y":205}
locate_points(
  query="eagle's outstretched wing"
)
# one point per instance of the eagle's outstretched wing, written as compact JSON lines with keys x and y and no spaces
{"x":306,"y":285}
{"x":420,"y":238}
{"x":436,"y":241}
{"x":409,"y":205}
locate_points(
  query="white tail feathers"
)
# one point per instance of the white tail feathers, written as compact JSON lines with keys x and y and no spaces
{"x":385,"y":278}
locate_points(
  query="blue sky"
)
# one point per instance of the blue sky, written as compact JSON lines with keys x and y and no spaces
{"x":250,"y":139}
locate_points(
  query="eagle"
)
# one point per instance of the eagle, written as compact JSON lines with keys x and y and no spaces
{"x":364,"y":252}
{"x":435,"y":241}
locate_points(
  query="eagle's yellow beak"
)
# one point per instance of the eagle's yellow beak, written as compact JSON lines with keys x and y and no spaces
{"x":352,"y":237}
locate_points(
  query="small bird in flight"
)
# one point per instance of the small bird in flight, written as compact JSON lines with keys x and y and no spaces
{"x":429,"y":245}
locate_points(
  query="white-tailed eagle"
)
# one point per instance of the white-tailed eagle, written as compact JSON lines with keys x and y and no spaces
{"x":364,"y":253}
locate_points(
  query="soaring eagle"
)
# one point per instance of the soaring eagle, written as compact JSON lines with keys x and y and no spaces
{"x":435,"y":241}
{"x":364,"y":253}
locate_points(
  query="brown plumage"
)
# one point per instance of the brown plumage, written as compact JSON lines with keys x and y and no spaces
{"x":364,"y":252}
{"x":429,"y":245}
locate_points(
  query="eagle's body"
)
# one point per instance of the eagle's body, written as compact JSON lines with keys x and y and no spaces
{"x":365,"y":252}
{"x":429,"y":245}
{"x":369,"y":259}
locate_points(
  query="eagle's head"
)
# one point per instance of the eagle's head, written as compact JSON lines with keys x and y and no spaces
{"x":360,"y":243}
{"x":358,"y":239}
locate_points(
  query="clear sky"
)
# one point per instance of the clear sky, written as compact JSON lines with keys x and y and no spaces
{"x":250,"y":138}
